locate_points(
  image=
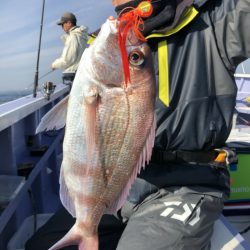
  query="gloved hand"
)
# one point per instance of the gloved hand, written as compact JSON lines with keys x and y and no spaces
{"x":163,"y":13}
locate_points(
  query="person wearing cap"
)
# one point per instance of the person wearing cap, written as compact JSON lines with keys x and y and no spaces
{"x":75,"y":42}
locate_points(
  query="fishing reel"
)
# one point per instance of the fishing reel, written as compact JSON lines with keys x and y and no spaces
{"x":48,"y":89}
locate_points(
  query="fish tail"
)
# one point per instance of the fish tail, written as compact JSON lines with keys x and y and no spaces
{"x":90,"y":243}
{"x":73,"y":237}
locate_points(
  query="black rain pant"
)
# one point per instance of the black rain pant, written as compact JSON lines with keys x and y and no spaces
{"x":155,"y":217}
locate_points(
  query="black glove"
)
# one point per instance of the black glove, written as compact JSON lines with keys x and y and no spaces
{"x":163,"y":13}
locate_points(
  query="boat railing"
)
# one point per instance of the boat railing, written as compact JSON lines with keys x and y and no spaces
{"x":30,"y":161}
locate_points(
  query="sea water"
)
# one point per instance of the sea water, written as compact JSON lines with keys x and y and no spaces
{"x":12,"y":95}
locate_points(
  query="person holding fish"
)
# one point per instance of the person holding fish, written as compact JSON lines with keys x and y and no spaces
{"x":75,"y":42}
{"x":157,"y":104}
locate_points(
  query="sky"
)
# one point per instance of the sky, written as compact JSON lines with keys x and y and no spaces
{"x":19,"y":37}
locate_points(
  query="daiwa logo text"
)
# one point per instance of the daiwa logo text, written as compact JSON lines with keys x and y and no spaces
{"x":187,"y":211}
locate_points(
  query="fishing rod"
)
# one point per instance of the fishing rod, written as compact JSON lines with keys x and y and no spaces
{"x":38,"y":54}
{"x":46,"y":74}
{"x":42,"y":76}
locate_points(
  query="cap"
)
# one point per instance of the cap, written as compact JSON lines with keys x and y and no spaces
{"x":67,"y":16}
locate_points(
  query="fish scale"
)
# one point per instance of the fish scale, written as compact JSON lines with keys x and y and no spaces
{"x":109,"y":133}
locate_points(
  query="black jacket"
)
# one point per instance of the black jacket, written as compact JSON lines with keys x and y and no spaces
{"x":202,"y":58}
{"x":203,"y":51}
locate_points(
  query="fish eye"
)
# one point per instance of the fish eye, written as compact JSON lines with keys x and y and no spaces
{"x":136,"y":58}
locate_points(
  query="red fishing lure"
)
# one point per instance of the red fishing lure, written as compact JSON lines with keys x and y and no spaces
{"x":128,"y":20}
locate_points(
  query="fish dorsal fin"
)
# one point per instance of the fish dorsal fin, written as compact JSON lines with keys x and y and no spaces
{"x":56,"y":118}
{"x":144,"y":159}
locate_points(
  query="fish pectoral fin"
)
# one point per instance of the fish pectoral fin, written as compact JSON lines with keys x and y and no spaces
{"x":90,"y":118}
{"x":56,"y":118}
{"x":91,"y":95}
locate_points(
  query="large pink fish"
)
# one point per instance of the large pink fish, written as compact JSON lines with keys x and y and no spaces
{"x":109,"y":132}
